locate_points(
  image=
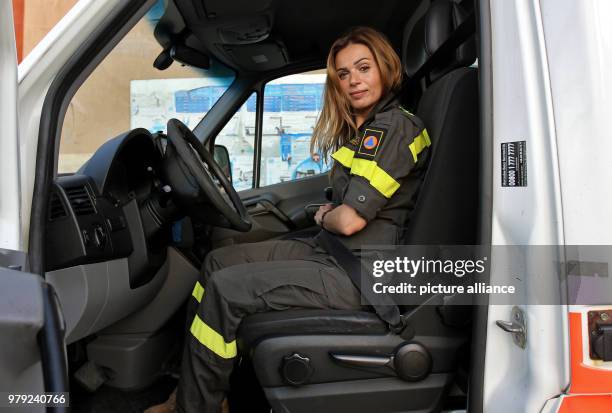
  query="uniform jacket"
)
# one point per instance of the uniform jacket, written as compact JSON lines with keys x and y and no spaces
{"x":379,"y":172}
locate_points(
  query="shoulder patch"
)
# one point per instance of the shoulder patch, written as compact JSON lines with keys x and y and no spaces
{"x":371,"y":141}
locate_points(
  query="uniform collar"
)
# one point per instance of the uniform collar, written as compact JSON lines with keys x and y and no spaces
{"x":388,"y":102}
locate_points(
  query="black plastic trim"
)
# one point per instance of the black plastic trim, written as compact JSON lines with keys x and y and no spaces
{"x":259,"y":101}
{"x":380,"y":395}
{"x":480,"y":319}
{"x":52,"y":347}
{"x":258,"y":134}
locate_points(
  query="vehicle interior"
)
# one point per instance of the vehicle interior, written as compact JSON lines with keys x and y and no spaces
{"x":125,"y":235}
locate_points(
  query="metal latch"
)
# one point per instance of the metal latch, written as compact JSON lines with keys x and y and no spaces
{"x":600,"y":334}
{"x":517,"y":327}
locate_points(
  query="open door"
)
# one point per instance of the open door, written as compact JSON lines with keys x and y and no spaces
{"x":32,"y":350}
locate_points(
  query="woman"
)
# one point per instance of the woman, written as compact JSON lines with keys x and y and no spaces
{"x":380,"y":154}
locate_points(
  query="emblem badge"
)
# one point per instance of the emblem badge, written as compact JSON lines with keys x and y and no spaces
{"x":370,"y":142}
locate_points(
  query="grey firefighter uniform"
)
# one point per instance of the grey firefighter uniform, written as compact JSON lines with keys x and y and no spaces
{"x":378,"y":173}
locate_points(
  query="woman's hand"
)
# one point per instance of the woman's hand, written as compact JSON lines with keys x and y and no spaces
{"x":342,"y":219}
{"x":321,"y":211}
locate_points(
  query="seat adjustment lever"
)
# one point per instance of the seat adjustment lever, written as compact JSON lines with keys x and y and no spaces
{"x":410,"y":362}
{"x":364,"y":361}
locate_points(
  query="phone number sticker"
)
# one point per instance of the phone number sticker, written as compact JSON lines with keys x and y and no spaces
{"x":8,"y":399}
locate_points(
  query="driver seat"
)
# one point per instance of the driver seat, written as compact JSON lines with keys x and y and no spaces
{"x":330,"y":360}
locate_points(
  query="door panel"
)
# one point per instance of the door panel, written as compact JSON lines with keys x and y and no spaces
{"x":32,"y":351}
{"x":278,"y":210}
{"x":10,"y":218}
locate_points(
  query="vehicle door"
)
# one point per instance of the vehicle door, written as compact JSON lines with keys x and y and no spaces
{"x":32,"y":352}
{"x":526,"y":365}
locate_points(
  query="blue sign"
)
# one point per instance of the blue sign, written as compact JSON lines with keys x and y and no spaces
{"x":299,"y":103}
{"x":198,"y":100}
{"x":297,"y":97}
{"x":293,"y":97}
{"x":192,"y":101}
{"x":272,"y":103}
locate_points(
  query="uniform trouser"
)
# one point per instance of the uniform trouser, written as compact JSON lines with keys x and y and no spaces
{"x":244,"y":279}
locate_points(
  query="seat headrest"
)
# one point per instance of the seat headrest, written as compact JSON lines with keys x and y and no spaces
{"x":431,"y":31}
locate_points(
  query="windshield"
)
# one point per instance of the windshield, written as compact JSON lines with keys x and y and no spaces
{"x":125,"y":92}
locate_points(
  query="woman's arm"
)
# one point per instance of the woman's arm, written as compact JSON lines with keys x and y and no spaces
{"x":342,"y":219}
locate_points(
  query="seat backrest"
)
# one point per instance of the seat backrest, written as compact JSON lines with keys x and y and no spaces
{"x":446,"y":211}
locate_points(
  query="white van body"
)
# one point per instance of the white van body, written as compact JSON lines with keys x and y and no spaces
{"x":551,"y":86}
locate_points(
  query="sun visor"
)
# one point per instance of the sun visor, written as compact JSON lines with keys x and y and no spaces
{"x":247,"y":31}
{"x":265,"y":55}
{"x":221,"y":8}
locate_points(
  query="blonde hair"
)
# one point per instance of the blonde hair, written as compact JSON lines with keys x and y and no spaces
{"x":336,"y":124}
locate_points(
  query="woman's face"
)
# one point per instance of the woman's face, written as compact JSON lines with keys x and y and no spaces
{"x":359,"y":77}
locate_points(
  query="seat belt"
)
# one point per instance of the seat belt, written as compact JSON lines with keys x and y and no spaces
{"x":388,"y":311}
{"x":461,"y":34}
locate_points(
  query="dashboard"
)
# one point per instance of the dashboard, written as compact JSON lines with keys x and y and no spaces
{"x":113,"y":207}
{"x":109,"y":251}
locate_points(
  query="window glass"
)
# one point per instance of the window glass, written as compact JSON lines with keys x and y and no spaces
{"x":291,"y":107}
{"x":238,"y":136}
{"x":125,"y":92}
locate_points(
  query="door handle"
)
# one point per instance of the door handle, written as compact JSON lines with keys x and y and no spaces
{"x":263,"y":205}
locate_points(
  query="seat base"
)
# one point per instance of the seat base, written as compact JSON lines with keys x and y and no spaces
{"x":258,"y":327}
{"x":384,"y":395}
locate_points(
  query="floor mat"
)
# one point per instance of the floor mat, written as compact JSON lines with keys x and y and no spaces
{"x":107,"y":399}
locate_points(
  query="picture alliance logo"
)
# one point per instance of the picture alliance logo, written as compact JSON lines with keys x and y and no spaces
{"x":444,"y":289}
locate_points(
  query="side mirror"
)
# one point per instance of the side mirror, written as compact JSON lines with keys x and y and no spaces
{"x":222,"y":158}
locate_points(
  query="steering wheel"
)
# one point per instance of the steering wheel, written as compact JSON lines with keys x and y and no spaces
{"x":202,"y":166}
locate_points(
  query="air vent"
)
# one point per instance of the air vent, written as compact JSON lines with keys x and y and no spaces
{"x":56,"y":207}
{"x":80,"y":200}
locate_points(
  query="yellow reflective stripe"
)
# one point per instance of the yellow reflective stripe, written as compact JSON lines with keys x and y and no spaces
{"x":344,"y":155}
{"x":419,"y":143}
{"x":212,"y":340}
{"x":377,"y":177}
{"x":198,"y":292}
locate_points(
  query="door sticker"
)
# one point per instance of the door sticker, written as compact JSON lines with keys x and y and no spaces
{"x":514,"y":163}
